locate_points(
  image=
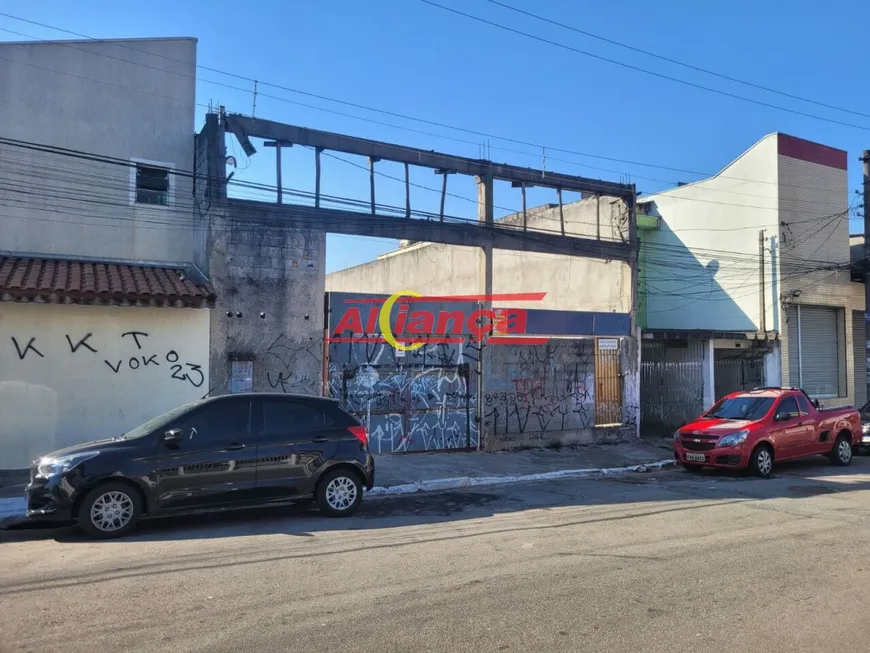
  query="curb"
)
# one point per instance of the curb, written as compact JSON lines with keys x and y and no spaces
{"x":14,"y":507}
{"x":472,"y":481}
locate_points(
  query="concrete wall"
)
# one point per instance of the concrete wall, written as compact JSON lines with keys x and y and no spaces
{"x":431,"y":268}
{"x":91,"y":96}
{"x":69,"y":374}
{"x":702,"y":263}
{"x":544,"y":395}
{"x":270,"y":279}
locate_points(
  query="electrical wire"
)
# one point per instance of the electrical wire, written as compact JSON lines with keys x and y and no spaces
{"x":376,"y":110}
{"x":674,"y":61}
{"x":639,"y":69}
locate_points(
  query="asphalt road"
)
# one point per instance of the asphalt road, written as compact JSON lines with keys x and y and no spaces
{"x":655,"y":562}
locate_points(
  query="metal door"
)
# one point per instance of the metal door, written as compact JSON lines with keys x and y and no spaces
{"x":608,"y":382}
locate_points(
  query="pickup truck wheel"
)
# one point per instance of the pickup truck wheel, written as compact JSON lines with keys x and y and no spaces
{"x":841,"y":454}
{"x":761,"y":461}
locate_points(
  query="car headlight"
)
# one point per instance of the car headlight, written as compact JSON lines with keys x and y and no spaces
{"x":865,"y":428}
{"x":49,"y":467}
{"x":734,"y":439}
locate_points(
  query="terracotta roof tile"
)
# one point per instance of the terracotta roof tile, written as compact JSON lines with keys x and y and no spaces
{"x":85,"y":282}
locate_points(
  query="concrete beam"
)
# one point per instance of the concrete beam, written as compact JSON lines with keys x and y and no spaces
{"x":244,"y":128}
{"x":468,"y":234}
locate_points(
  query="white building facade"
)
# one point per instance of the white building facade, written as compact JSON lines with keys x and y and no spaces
{"x":104,"y":318}
{"x":745,"y":281}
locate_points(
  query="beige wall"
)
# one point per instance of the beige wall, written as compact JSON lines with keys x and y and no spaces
{"x":130,"y":99}
{"x":814,"y":205}
{"x":571,"y":283}
{"x":64,"y":397}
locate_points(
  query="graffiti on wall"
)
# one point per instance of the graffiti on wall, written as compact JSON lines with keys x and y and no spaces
{"x":292,"y":368}
{"x":143,"y":355}
{"x":421,"y":400}
{"x":534,"y":393}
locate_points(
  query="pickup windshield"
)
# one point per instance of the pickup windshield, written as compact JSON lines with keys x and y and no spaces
{"x":744,"y":408}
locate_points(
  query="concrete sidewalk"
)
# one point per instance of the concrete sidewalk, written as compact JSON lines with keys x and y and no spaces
{"x":425,"y":472}
{"x":399,"y":474}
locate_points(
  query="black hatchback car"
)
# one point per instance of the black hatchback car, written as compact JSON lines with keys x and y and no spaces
{"x":223,"y":452}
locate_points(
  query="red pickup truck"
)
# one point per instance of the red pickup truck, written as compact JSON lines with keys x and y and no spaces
{"x":752,"y":430}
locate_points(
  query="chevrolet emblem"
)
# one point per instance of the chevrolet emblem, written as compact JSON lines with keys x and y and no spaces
{"x":697,"y":440}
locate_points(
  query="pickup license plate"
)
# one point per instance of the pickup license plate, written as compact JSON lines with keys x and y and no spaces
{"x":696,"y":457}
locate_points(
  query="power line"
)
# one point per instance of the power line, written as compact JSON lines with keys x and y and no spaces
{"x":675,"y":61}
{"x":101,"y":182}
{"x":639,"y":69}
{"x":537,"y":146}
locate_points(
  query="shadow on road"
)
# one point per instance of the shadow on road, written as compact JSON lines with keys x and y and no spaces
{"x":799,"y":479}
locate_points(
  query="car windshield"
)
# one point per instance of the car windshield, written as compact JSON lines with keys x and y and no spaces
{"x":742,"y":408}
{"x":156,"y":423}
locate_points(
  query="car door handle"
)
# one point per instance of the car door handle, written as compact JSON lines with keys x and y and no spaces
{"x":234,"y":447}
{"x":319,"y":439}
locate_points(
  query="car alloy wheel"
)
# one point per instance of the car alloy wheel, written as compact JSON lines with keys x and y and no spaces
{"x":844,"y":451}
{"x":340,"y":493}
{"x":763,"y":461}
{"x":112,"y":511}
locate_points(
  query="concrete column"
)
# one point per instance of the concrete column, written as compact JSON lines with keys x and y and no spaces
{"x":773,"y":366}
{"x":709,"y":375}
{"x":485,"y":214}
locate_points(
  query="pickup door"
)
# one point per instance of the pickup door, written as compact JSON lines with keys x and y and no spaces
{"x":792,"y":429}
{"x":809,"y":422}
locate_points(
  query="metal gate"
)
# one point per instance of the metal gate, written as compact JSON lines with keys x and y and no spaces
{"x":734,"y":371}
{"x":671,"y":384}
{"x":608,"y":383}
{"x":422,"y":400}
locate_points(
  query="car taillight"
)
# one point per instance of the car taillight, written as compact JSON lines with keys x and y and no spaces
{"x":361,"y":433}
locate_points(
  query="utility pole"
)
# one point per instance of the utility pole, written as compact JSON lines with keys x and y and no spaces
{"x":762,"y":301}
{"x":866,"y":262}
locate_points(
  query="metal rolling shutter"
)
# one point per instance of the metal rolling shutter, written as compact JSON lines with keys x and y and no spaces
{"x":794,"y":370}
{"x":819,"y":352}
{"x":859,"y":351}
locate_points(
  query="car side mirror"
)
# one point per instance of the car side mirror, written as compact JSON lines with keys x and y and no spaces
{"x":782,"y":417}
{"x":817,"y":404}
{"x":173,"y":435}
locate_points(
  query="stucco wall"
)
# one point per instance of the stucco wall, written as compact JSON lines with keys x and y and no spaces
{"x":91,"y":96}
{"x":571,"y":283}
{"x":70,"y":374}
{"x":814,"y":203}
{"x":702,"y":263}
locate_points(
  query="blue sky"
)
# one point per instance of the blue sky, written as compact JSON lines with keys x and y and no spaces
{"x":411,"y":58}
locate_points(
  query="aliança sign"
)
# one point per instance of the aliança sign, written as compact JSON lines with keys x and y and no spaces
{"x":411,"y":329}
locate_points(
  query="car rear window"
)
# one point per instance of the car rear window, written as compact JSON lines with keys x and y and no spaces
{"x":282,"y":417}
{"x":804,"y":404}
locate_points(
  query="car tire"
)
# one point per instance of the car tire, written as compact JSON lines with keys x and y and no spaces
{"x":689,"y":467}
{"x":110,"y":510}
{"x":761,"y":461}
{"x":842,"y":452}
{"x":339,"y":493}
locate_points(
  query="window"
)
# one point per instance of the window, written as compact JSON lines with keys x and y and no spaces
{"x":283,"y":418}
{"x":746,"y":408}
{"x":788,"y":406}
{"x":804,"y":405}
{"x":215,"y":423}
{"x":152,"y":184}
{"x":817,"y":350}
